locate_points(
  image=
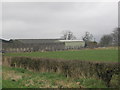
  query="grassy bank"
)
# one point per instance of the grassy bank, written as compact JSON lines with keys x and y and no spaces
{"x":21,"y":78}
{"x":90,"y":54}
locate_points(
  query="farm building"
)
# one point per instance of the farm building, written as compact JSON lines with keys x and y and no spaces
{"x":73,"y":44}
{"x":29,"y":45}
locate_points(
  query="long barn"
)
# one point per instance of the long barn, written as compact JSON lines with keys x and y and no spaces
{"x":30,"y":45}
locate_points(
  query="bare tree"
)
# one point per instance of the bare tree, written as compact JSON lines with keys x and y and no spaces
{"x":68,"y":35}
{"x":116,"y":36}
{"x":87,"y":38}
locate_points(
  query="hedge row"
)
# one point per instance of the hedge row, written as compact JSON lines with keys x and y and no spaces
{"x":70,"y":68}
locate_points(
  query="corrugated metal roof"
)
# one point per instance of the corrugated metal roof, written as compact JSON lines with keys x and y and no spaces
{"x":37,"y":41}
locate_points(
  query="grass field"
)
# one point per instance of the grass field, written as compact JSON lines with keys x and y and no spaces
{"x":90,"y":54}
{"x":21,"y":78}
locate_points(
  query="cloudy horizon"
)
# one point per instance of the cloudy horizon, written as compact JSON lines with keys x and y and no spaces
{"x":47,"y":20}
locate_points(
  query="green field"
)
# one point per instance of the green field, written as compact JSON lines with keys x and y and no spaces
{"x":21,"y":78}
{"x":88,"y":54}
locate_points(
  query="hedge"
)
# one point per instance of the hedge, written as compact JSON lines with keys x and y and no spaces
{"x":70,"y":68}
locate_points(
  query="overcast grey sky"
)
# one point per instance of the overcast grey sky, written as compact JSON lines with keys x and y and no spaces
{"x":44,"y":20}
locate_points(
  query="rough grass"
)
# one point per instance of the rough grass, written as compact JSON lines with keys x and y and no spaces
{"x":88,"y":54}
{"x":0,"y":77}
{"x":21,"y":78}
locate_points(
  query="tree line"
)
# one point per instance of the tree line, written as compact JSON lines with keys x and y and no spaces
{"x":111,"y":39}
{"x":106,"y":40}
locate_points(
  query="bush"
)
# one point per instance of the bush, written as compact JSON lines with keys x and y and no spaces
{"x":70,"y":68}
